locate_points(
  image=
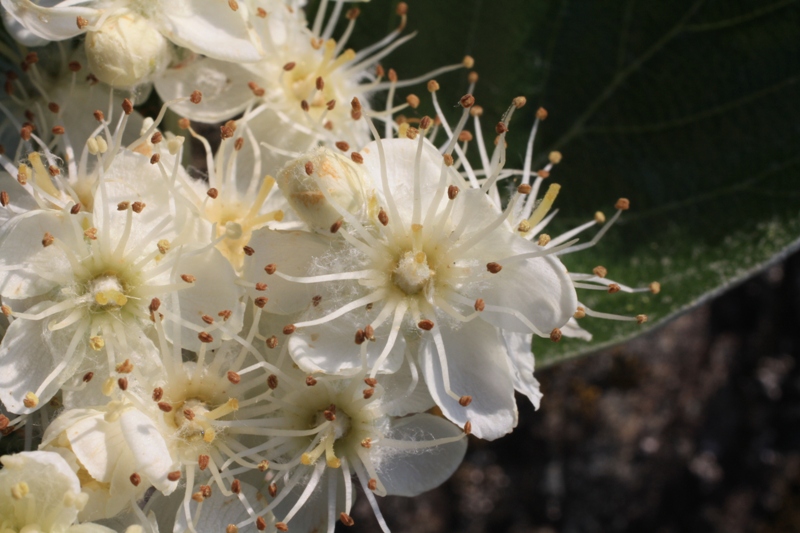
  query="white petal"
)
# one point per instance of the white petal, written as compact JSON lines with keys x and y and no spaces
{"x":52,"y":23}
{"x":411,"y":472}
{"x":20,"y":200}
{"x":522,"y":364}
{"x":573,"y":330}
{"x":219,"y":510}
{"x":478,"y":366}
{"x":396,"y":385}
{"x":150,"y":451}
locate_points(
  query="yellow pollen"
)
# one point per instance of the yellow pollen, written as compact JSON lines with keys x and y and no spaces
{"x":20,"y":490}
{"x":97,"y":343}
{"x":547,"y":202}
{"x":209,"y":434}
{"x":420,"y":257}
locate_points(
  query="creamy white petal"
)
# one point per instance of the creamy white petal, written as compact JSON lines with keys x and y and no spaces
{"x":52,"y":23}
{"x":522,"y":364}
{"x":149,"y":449}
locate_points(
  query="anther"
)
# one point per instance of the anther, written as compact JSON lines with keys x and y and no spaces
{"x":261,"y":286}
{"x":248,"y":251}
{"x":330,"y":104}
{"x":225,"y":132}
{"x":234,"y":377}
{"x":30,"y":400}
{"x":164,"y":406}
{"x":91,"y":234}
{"x":261,"y":13}
{"x":155,"y":303}
{"x":372,"y":484}
{"x":330,"y":415}
{"x":289,"y":66}
{"x":366,"y":443}
{"x":273,"y":491}
{"x":202,"y":461}
{"x":304,"y":105}
{"x":205,"y":336}
{"x":125,"y":367}
{"x":98,"y":115}
{"x":356,"y":157}
{"x":158,"y":393}
{"x":155,"y":158}
{"x":174,"y":475}
{"x":476,"y":111}
{"x":53,"y":171}
{"x":600,"y":271}
{"x":468,"y":427}
{"x":599,"y":217}
{"x":519,"y":101}
{"x":655,"y":287}
{"x":225,"y":314}
{"x":448,"y":162}
{"x":236,"y":486}
{"x":623,"y":204}
{"x":641,"y":319}
{"x":137,"y":207}
{"x":87,"y":377}
{"x":452,"y":192}
{"x":555,"y":335}
{"x":123,"y":384}
{"x":383,"y":217}
{"x":369,"y":332}
{"x":289,"y":329}
{"x":198,"y":497}
{"x":156,"y":137}
{"x":75,"y":209}
{"x":392,"y":75}
{"x":58,"y":130}
{"x":4,"y":422}
{"x":261,"y":524}
{"x":501,"y":128}
{"x":467,"y":101}
{"x":371,"y":381}
{"x":544,"y":238}
{"x":425,"y":324}
{"x":188,"y":278}
{"x":205,"y":490}
{"x":465,"y":136}
{"x":310,"y":381}
{"x":524,"y":189}
{"x":135,"y":479}
{"x":613,"y":288}
{"x":272,"y":342}
{"x":336,"y":226}
{"x":4,"y":199}
{"x":316,"y":300}
{"x":271,"y":268}
{"x":48,"y":239}
{"x":188,"y":414}
{"x":272,"y":381}
{"x":425,"y":122}
{"x":231,"y":528}
{"x":433,"y":86}
{"x":96,"y":343}
{"x":579,"y":313}
{"x":480,"y":305}
{"x":81,"y":22}
{"x":346,"y":519}
{"x":122,"y":206}
{"x":465,"y":401}
{"x":184,"y":123}
{"x":280,"y":526}
{"x":541,"y":113}
{"x":234,"y":5}
{"x":494,"y":268}
{"x":74,"y":66}
{"x":196,"y":97}
{"x":343,"y":146}
{"x":127,"y":106}
{"x":413,"y":101}
{"x":554,"y":157}
{"x":261,"y":301}
{"x":368,"y":393}
{"x":263,"y":466}
{"x":360,"y":337}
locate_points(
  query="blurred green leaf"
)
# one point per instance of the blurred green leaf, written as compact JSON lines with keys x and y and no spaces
{"x":689,"y":109}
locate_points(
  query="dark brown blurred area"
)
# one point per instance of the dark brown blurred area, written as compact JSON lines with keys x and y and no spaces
{"x":692,"y":428}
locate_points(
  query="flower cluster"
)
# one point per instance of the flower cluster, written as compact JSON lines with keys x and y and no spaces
{"x":324,"y":307}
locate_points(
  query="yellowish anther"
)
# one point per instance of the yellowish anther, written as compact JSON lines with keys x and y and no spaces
{"x":402,"y":130}
{"x":41,"y":175}
{"x":110,"y":296}
{"x":23,"y":173}
{"x":416,"y":228}
{"x":544,"y":238}
{"x":174,"y":144}
{"x":97,"y":343}
{"x":20,"y":490}
{"x":30,"y":400}
{"x":306,"y":459}
{"x":102,"y":145}
{"x":91,"y":145}
{"x":333,"y":462}
{"x":420,"y":257}
{"x":108,"y":386}
{"x":655,"y":287}
{"x":554,"y":157}
{"x":524,"y":227}
{"x":278,"y":215}
{"x":580,"y":313}
{"x":544,"y":206}
{"x":163,"y":246}
{"x":209,"y":434}
{"x":599,"y":217}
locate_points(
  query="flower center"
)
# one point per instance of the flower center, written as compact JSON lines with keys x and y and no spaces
{"x":191,"y":420}
{"x":412,"y":272}
{"x":338,"y":426}
{"x":107,"y":293}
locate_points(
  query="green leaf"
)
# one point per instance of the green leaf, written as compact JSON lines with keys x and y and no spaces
{"x":689,"y":109}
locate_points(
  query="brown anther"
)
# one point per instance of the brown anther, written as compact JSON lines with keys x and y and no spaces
{"x":204,"y":336}
{"x":261,"y":524}
{"x":655,"y":287}
{"x":465,"y":136}
{"x":156,"y":137}
{"x":231,"y":528}
{"x":164,"y":406}
{"x":289,"y":66}
{"x":236,"y":486}
{"x":122,"y":206}
{"x":202,"y":462}
{"x":330,"y":104}
{"x":138,"y":206}
{"x":641,"y":319}
{"x":379,"y":72}
{"x":261,"y":13}
{"x":366,"y":443}
{"x":289,"y":329}
{"x":6,"y":310}
{"x":465,"y":401}
{"x":524,"y":189}
{"x":336,"y":226}
{"x":310,"y":381}
{"x":355,"y":104}
{"x":622,"y":204}
{"x":555,"y":335}
{"x":25,"y":133}
{"x":494,"y":268}
{"x":272,"y":342}
{"x":383,"y":217}
{"x":188,"y":414}
{"x":352,"y":13}
{"x":184,"y":123}
{"x":256,"y":90}
{"x":225,"y":314}
{"x":343,"y":146}
{"x":372,"y":484}
{"x":600,"y":271}
{"x":501,"y":128}
{"x":544,"y":174}
{"x":452,"y":192}
{"x":261,"y":286}
{"x":74,"y":66}
{"x":53,"y":171}
{"x":319,"y":83}
{"x":188,"y":278}
{"x":48,"y":239}
{"x":280,"y":526}
{"x":468,"y":428}
{"x":448,"y":162}
{"x":356,"y":157}
{"x":263,"y":466}
{"x":212,"y":193}
{"x":198,"y":497}
{"x":519,"y":101}
{"x":425,"y":324}
{"x":175,"y":475}
{"x":135,"y":479}
{"x":248,"y":251}
{"x":205,"y":490}
{"x":392,"y":76}
{"x":329,"y":415}
{"x":273,"y":491}
{"x":4,"y":421}
{"x":467,"y":101}
{"x":81,"y":22}
{"x":261,"y":301}
{"x":155,"y":303}
{"x":368,"y":393}
{"x":413,"y":101}
{"x":87,"y":377}
{"x":155,"y":158}
{"x":304,"y":105}
{"x":480,"y":305}
{"x":125,"y":367}
{"x":158,"y":393}
{"x":233,"y":4}
{"x":346,"y":519}
{"x":360,"y":338}
{"x":271,"y":268}
{"x":123,"y":383}
{"x":371,"y":381}
{"x":234,"y":377}
{"x":579,"y":313}
{"x":4,"y":199}
{"x":196,"y":97}
{"x":433,"y":86}
{"x":225,"y":132}
{"x":98,"y":115}
{"x":541,"y":113}
{"x":614,"y":288}
{"x":58,"y":130}
{"x":369,"y":332}
{"x":272,"y":381}
{"x":127,"y":106}
{"x":316,"y":300}
{"x":91,"y":234}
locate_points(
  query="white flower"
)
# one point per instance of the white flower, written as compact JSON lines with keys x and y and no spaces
{"x":40,"y":492}
{"x":128,"y":41}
